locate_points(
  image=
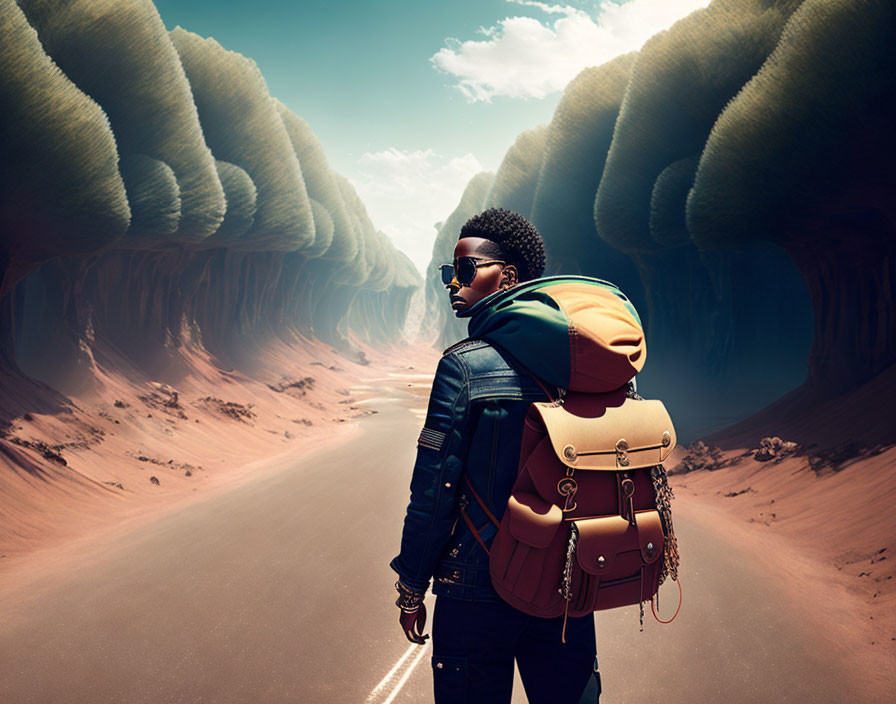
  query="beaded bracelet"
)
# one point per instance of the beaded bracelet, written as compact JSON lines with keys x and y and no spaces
{"x":408,"y":600}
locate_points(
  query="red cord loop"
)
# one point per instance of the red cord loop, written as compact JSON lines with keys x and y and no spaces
{"x":653,"y":609}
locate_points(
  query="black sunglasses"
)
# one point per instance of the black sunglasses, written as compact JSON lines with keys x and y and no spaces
{"x":465,"y":269}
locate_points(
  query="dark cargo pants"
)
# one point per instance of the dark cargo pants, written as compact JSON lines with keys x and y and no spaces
{"x":475,"y":643}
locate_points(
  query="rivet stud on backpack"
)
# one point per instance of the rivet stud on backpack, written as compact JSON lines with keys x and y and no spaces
{"x":569,"y":452}
{"x":667,"y":439}
{"x":649,"y":549}
{"x":621,"y":445}
{"x":601,"y":561}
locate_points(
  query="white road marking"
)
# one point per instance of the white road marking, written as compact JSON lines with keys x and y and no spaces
{"x":377,"y":691}
{"x":407,"y":674}
{"x":392,"y":671}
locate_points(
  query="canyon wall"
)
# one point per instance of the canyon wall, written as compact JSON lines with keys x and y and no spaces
{"x":156,"y":197}
{"x":732,"y":177}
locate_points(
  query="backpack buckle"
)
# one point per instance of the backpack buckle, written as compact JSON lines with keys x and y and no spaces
{"x":622,"y":459}
{"x":567,"y":487}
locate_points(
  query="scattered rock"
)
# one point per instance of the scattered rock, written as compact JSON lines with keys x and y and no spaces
{"x":28,"y":417}
{"x":701,"y":456}
{"x":164,"y":399}
{"x":302,"y":385}
{"x":121,"y":404}
{"x":188,"y":473}
{"x":836,"y":458}
{"x":774,"y":448}
{"x":237,"y":411}
{"x":154,"y":480}
{"x":732,"y":494}
{"x":117,"y":485}
{"x":48,"y":452}
{"x":303,"y":421}
{"x":854,"y":557}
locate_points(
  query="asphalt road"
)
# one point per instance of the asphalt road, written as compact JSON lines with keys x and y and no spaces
{"x":279,"y":591}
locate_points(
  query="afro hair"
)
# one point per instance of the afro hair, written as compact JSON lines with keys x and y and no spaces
{"x":517,"y":240}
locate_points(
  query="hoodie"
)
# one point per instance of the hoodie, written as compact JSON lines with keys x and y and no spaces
{"x":575,"y":332}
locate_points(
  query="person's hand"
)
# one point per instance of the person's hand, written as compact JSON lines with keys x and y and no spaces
{"x":413,"y":624}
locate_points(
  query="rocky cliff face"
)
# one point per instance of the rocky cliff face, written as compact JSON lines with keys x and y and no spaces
{"x":153,"y":195}
{"x":733,"y":179}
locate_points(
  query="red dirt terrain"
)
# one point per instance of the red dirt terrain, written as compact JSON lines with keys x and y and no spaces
{"x":813,"y":502}
{"x":127,"y":451}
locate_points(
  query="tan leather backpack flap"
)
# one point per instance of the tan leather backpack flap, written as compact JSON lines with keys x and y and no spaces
{"x":629,"y":435}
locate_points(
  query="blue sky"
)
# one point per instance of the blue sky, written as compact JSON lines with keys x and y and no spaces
{"x":410,"y":98}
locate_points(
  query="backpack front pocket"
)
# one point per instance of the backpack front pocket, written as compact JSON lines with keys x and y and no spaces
{"x":529,"y":546}
{"x":618,"y":562}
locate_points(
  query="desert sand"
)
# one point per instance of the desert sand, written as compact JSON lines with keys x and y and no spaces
{"x":126,"y":452}
{"x":818,"y":522}
{"x":279,"y":590}
{"x":824,"y":532}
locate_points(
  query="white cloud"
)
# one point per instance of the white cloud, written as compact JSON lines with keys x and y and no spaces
{"x":407,"y":192}
{"x":523,"y":57}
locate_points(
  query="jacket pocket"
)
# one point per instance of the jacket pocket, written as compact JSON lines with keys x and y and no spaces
{"x":526,"y":560}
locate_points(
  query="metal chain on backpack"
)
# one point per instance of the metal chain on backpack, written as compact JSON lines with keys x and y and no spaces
{"x":566,"y":582}
{"x":664,"y":496}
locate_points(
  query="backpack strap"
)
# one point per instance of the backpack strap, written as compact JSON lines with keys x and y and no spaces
{"x":479,"y":501}
{"x":474,"y":530}
{"x":491,"y":517}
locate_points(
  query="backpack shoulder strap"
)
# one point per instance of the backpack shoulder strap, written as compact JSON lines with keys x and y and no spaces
{"x":463,"y":512}
{"x":479,"y":501}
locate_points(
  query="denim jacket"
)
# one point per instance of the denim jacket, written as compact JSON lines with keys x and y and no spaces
{"x":474,"y":424}
{"x":555,"y":326}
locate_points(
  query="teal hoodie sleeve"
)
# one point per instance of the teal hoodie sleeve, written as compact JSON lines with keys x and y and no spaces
{"x":441,"y":452}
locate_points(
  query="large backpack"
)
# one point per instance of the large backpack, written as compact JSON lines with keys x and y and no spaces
{"x":588,"y":524}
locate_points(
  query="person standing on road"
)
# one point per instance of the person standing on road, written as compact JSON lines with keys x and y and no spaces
{"x":470,"y":442}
